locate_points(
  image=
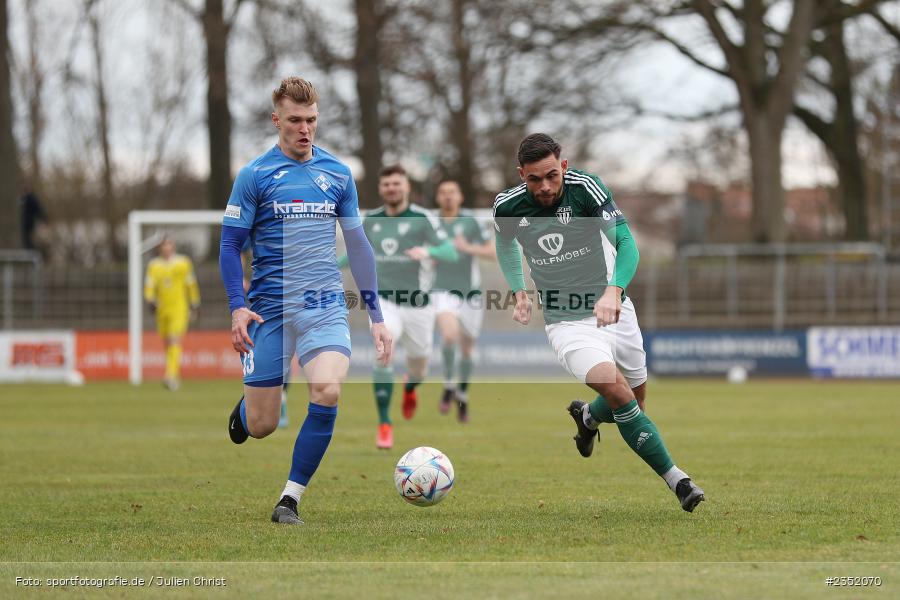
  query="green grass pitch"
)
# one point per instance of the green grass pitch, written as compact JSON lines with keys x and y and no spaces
{"x":801,"y":479}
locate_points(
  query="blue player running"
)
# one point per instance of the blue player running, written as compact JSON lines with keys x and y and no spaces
{"x":287,"y":201}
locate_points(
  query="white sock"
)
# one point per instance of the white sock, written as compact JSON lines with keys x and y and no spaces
{"x":462,"y":396}
{"x":449,"y":386}
{"x":673,"y":476}
{"x":294,"y":490}
{"x":586,"y":417}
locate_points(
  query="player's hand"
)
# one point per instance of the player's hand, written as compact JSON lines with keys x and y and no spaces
{"x":462,"y":244}
{"x":240,"y":320}
{"x":152,"y":306}
{"x":195,"y":312}
{"x":522,"y":311}
{"x":419,"y":253}
{"x":609,"y":306}
{"x":384,"y":343}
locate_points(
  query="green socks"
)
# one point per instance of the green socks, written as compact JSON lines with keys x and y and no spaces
{"x":641,"y":435}
{"x":600,"y":410}
{"x":465,"y":371}
{"x":383,"y":382}
{"x":411,"y":383}
{"x":449,"y":354}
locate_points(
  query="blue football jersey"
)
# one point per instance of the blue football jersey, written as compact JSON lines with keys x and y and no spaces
{"x":291,"y":209}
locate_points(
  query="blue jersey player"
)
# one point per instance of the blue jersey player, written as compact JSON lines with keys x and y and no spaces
{"x":288,"y":202}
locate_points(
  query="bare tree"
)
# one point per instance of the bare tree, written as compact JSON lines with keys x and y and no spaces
{"x":9,"y":160}
{"x":840,"y":133}
{"x":764,"y":75}
{"x":216,"y":27}
{"x":32,"y":83}
{"x":370,"y":18}
{"x":109,"y":199}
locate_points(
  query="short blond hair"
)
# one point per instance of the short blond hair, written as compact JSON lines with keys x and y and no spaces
{"x":297,"y":89}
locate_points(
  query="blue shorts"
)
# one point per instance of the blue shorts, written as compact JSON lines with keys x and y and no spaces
{"x":304,"y":332}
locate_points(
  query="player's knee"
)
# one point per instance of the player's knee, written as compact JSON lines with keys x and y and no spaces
{"x":260,"y":426}
{"x":325,"y":393}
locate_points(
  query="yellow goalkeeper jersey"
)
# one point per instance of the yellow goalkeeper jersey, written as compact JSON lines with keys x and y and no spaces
{"x":171,"y":283}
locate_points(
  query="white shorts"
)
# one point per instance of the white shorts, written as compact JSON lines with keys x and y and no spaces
{"x":413,"y":327}
{"x":580,"y":345}
{"x":468,"y":311}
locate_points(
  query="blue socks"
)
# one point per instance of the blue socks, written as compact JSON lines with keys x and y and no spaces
{"x":244,"y":415}
{"x":312,"y":442}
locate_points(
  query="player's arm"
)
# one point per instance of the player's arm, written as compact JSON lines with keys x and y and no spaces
{"x":437,"y":245}
{"x":615,"y":228}
{"x":481,"y":246}
{"x":509,"y":257}
{"x":150,"y":288}
{"x":192,"y":286}
{"x":239,"y":216}
{"x":361,"y":259}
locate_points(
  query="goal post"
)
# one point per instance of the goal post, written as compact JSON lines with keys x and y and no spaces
{"x":137,"y":219}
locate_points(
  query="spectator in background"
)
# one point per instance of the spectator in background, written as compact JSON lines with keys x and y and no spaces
{"x":31,"y":212}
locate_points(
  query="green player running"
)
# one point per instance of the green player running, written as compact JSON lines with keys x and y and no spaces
{"x":557,"y":216}
{"x":402,"y":235}
{"x":456,"y":295}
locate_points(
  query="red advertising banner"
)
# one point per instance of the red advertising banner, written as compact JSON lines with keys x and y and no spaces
{"x":206,"y":355}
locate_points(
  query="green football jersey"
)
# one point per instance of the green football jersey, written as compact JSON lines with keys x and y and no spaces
{"x":399,"y":276}
{"x":563,"y":243}
{"x":462,"y":276}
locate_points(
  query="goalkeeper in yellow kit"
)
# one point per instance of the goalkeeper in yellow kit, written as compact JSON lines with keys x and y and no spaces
{"x":173,"y":294}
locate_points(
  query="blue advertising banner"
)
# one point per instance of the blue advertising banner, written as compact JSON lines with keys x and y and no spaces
{"x":854,"y":351}
{"x":715,"y":352}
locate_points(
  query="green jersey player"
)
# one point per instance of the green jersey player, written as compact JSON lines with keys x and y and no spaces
{"x":559,"y":217}
{"x":456,"y":295}
{"x":403,"y":235}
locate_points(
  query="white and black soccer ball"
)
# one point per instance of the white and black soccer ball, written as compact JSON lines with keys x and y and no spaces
{"x":424,"y":476}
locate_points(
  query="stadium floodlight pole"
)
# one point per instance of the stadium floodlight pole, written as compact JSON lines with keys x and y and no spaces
{"x":136,"y":220}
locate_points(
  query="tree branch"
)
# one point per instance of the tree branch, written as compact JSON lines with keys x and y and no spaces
{"x":816,"y":124}
{"x":847,"y":11}
{"x":681,"y":48}
{"x":681,"y":118}
{"x":183,"y":5}
{"x":229,"y":20}
{"x":790,"y":56}
{"x":729,"y":49}
{"x":889,"y":27}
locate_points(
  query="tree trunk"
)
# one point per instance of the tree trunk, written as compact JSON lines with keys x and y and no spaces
{"x":768,"y":223}
{"x":109,"y":202}
{"x":845,"y":149}
{"x":9,"y":170}
{"x":368,"y":89}
{"x":215,"y":33}
{"x":35,"y":95}
{"x":461,"y":118}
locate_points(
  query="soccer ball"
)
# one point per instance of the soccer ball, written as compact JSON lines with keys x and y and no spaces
{"x":424,"y":476}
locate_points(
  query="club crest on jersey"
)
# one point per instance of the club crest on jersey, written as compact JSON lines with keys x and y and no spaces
{"x":551,"y":243}
{"x":564,"y":214}
{"x":389,"y":245}
{"x":298,"y":208}
{"x":403,"y":228}
{"x":323,"y":183}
